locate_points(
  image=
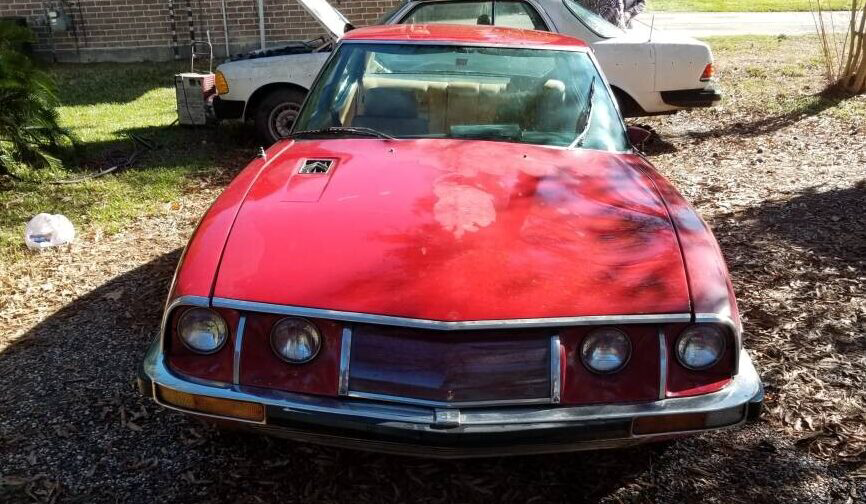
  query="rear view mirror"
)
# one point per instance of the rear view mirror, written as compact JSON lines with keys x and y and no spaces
{"x":638,"y":136}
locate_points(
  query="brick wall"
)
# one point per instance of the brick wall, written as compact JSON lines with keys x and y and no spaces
{"x":140,"y":30}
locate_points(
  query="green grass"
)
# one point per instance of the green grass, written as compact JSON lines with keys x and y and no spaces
{"x":101,"y":104}
{"x":780,"y":79}
{"x":743,"y":5}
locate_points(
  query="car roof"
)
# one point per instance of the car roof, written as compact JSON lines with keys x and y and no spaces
{"x":464,"y":34}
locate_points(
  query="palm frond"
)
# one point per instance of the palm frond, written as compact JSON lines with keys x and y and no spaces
{"x":30,"y":133}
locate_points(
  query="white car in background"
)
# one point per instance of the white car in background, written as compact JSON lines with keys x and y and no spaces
{"x":650,"y":72}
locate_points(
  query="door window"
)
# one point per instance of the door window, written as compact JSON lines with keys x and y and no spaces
{"x":468,"y":13}
{"x":517,"y":14}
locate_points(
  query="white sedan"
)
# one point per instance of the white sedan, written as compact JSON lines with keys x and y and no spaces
{"x":650,"y":72}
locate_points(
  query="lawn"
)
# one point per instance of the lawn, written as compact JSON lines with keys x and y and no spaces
{"x":102,"y":104}
{"x":791,"y":85}
{"x":743,"y":5}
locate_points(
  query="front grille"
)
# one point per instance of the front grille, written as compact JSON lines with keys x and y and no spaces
{"x":450,"y":368}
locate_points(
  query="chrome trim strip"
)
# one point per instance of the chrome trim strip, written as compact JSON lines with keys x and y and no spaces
{"x":444,"y":404}
{"x":199,"y":301}
{"x":663,"y":364}
{"x":446,"y":418}
{"x":236,"y":358}
{"x":555,"y":369}
{"x":441,"y":325}
{"x":736,"y":330}
{"x":743,"y":387}
{"x":345,"y":354}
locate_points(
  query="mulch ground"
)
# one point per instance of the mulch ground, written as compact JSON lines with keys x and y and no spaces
{"x":786,"y":195}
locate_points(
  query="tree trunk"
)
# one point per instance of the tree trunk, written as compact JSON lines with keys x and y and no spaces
{"x":853,"y":78}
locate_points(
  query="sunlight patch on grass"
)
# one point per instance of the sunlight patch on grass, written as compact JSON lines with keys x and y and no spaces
{"x":742,"y":5}
{"x":106,"y":121}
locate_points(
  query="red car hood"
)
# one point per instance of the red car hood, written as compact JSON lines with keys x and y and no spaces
{"x":455,"y":230}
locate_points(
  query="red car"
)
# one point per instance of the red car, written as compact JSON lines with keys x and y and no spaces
{"x":458,"y":252}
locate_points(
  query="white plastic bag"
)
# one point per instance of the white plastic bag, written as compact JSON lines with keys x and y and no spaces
{"x":46,"y":230}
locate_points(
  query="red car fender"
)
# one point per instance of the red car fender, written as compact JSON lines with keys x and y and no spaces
{"x":199,"y":263}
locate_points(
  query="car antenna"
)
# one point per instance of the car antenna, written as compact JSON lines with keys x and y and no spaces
{"x":652,"y":27}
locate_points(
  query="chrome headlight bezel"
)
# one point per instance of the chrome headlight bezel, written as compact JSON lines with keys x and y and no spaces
{"x":701,"y":330}
{"x":219,"y":322}
{"x":605,"y":332}
{"x":314,"y":332}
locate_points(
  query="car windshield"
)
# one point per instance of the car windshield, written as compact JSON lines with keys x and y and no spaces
{"x":599,"y":25}
{"x":535,"y":96}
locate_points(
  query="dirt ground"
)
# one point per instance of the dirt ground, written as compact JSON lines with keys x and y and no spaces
{"x":778,"y":172}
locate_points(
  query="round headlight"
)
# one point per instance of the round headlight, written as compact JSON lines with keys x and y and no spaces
{"x":700,"y":347}
{"x":295,"y":340}
{"x":202,"y":330}
{"x":605,"y":350}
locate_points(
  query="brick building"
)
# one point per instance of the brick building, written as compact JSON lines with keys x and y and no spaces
{"x":141,"y":30}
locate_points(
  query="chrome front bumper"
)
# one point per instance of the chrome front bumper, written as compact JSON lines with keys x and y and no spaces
{"x":465,"y":432}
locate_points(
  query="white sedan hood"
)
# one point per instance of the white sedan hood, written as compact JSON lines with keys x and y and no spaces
{"x":330,"y":18}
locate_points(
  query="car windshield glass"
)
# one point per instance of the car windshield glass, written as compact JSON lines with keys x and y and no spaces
{"x":534,"y":96}
{"x":599,"y":25}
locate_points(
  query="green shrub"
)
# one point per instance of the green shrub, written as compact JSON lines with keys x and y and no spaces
{"x":30,"y":135}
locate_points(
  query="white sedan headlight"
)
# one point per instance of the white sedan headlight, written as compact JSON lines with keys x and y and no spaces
{"x":700,"y":347}
{"x":295,"y":340}
{"x":202,"y":330}
{"x":605,"y":350}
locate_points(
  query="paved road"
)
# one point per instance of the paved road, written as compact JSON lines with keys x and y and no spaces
{"x":707,"y":24}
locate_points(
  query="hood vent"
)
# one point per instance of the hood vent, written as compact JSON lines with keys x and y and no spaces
{"x":316,"y":166}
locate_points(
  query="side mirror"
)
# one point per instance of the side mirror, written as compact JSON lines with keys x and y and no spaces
{"x":638,"y":136}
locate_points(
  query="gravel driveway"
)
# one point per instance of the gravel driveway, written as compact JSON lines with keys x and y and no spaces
{"x":782,"y":185}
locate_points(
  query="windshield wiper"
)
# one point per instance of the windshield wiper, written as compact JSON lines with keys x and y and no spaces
{"x":343,"y":130}
{"x":587,"y":115}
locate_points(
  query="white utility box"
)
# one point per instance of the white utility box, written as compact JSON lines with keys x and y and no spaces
{"x":193,"y":90}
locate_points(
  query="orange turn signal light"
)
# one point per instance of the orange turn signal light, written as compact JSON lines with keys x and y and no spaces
{"x":669,"y":423}
{"x":219,"y":80}
{"x":685,"y":422}
{"x":211,"y":405}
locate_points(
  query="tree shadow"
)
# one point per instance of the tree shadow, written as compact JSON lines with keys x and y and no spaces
{"x":174,"y":146}
{"x":71,"y":419}
{"x":830,"y":223}
{"x":170,"y":147}
{"x":813,"y":105}
{"x":657,"y":146}
{"x":105,"y":83}
{"x":798,"y":266}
